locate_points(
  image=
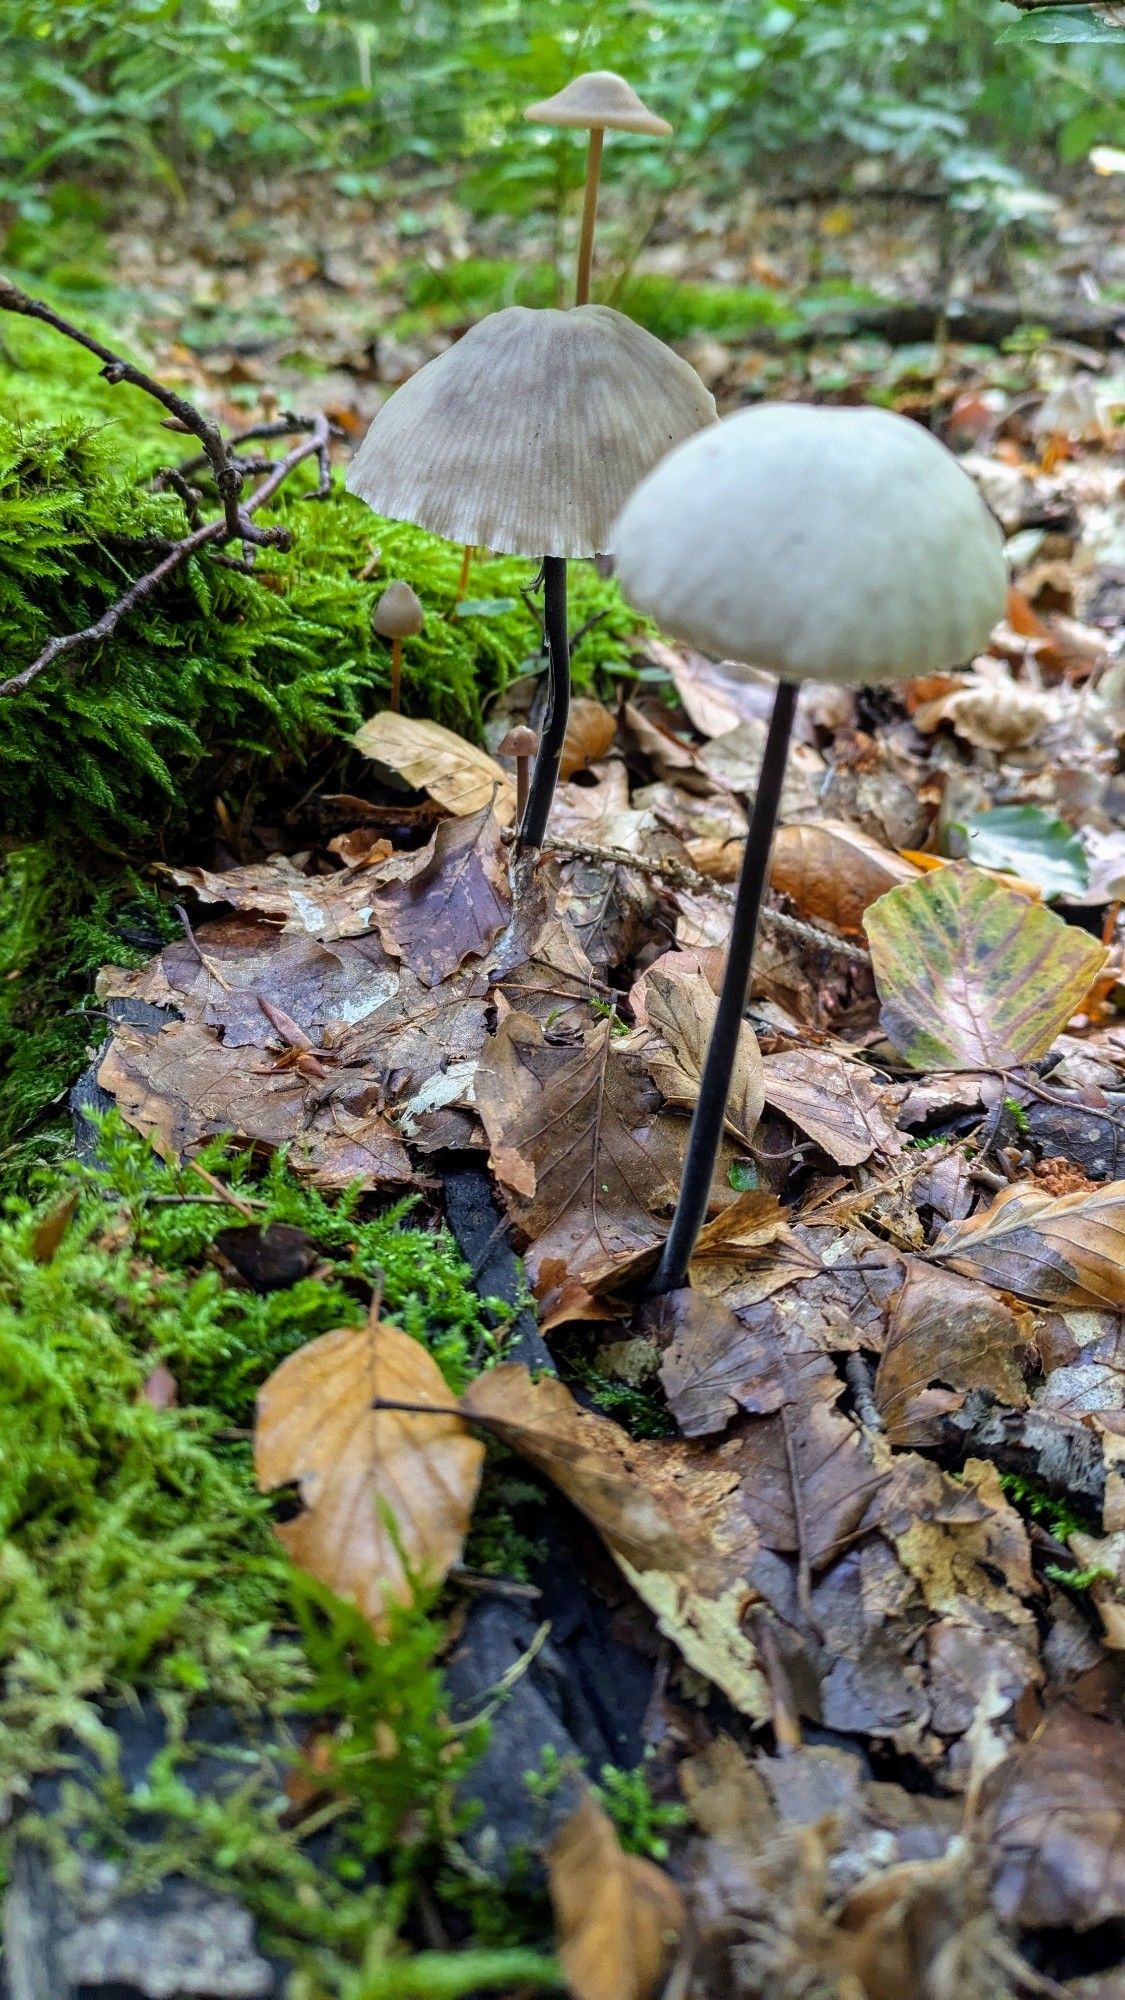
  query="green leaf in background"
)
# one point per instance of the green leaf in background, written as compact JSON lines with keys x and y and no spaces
{"x":973,"y":976}
{"x":484,"y":607}
{"x":1063,"y":24}
{"x":1026,"y":841}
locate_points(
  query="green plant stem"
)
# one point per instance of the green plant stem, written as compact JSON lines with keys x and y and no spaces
{"x":714,"y":1090}
{"x":544,"y":776}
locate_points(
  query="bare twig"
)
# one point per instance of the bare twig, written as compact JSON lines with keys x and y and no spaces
{"x":115,"y":369}
{"x":680,"y":875}
{"x":314,"y":445}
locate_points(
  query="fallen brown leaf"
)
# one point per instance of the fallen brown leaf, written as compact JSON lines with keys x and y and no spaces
{"x":387,"y":1495}
{"x":590,"y":730}
{"x":682,"y":1012}
{"x":589,"y":1160}
{"x":833,"y":871}
{"x":618,"y":1917}
{"x":1055,"y":1825}
{"x":947,"y":1335}
{"x":448,"y":903}
{"x":837,"y":1104}
{"x":1069,"y":1250}
{"x":428,"y":758}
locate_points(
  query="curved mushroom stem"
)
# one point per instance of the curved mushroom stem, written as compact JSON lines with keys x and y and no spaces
{"x":396,"y":674}
{"x":714,"y":1090}
{"x":589,"y":214}
{"x":545,"y":771}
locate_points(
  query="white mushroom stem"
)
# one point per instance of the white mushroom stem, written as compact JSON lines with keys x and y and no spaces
{"x":589,"y":214}
{"x":714,"y":1090}
{"x":545,"y":772}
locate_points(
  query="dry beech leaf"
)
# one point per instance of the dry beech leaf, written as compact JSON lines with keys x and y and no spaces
{"x":717,"y":694}
{"x":578,"y":1140}
{"x":1055,"y":1825}
{"x":713,"y":1365}
{"x":682,"y":1011}
{"x":972,"y":976}
{"x":183,"y":1086}
{"x":590,"y":730}
{"x":833,"y":871}
{"x":448,"y":903}
{"x":837,"y":1104}
{"x":668,"y":1513}
{"x":354,"y":1465}
{"x":430,"y":759}
{"x":327,"y":907}
{"x":950,"y":1332}
{"x":617,"y":1917}
{"x":1067,"y":1250}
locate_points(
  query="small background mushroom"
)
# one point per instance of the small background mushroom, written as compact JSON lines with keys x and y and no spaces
{"x":600,"y":101}
{"x":397,"y":616}
{"x":823,"y":544}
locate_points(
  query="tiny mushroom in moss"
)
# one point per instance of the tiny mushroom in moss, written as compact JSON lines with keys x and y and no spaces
{"x":599,"y":101}
{"x":841,"y":545}
{"x":526,"y":437}
{"x":520,"y":743}
{"x":397,"y":616}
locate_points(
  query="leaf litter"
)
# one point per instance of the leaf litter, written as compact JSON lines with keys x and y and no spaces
{"x":882,"y":1557}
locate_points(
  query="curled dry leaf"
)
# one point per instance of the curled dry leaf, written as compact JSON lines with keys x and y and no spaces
{"x":838,"y":1104}
{"x":682,"y":1012}
{"x":590,"y":730}
{"x":947,"y":1335}
{"x":430,"y":759}
{"x":833,"y":871}
{"x":1054,"y":1824}
{"x":1067,"y":1250}
{"x":387,"y":1495}
{"x":668,"y":1514}
{"x":448,"y":903}
{"x":717,"y":694}
{"x":579,"y":1142}
{"x":327,"y":907}
{"x":988,"y":708}
{"x":970,"y":975}
{"x":617,"y":1916}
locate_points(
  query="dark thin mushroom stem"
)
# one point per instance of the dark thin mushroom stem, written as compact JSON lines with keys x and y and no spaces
{"x":545,"y":772}
{"x":714,"y":1090}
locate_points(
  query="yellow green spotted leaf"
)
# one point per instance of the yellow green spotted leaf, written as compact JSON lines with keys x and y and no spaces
{"x":973,"y":976}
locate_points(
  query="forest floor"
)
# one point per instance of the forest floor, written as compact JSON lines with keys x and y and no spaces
{"x":794,"y":1607}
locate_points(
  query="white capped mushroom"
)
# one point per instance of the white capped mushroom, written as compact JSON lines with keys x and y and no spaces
{"x":823,"y":544}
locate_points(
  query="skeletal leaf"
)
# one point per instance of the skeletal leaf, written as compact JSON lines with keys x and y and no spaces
{"x":971,"y":975}
{"x":1066,"y":1250}
{"x":387,"y":1494}
{"x":617,"y":1916}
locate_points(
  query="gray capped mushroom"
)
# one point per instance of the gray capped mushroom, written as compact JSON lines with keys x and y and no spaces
{"x":824,"y":544}
{"x":397,"y":616}
{"x":527,"y":436}
{"x":599,"y":101}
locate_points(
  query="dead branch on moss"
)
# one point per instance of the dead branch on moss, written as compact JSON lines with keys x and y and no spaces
{"x":227,"y":469}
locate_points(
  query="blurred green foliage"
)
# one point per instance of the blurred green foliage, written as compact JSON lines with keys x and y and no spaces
{"x":156,"y":89}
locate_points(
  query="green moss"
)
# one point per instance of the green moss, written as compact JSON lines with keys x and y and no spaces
{"x":671,"y":308}
{"x":220,"y":682}
{"x":1054,"y":1513}
{"x":137,"y":1554}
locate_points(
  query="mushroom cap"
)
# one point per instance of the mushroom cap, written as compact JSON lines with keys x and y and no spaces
{"x":823,"y":544}
{"x":529,"y":434}
{"x":398,"y":614}
{"x":600,"y":97}
{"x":520,"y":741}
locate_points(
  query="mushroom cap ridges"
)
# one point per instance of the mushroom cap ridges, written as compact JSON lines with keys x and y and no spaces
{"x":529,"y":434}
{"x":822,"y":544}
{"x":600,"y":97}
